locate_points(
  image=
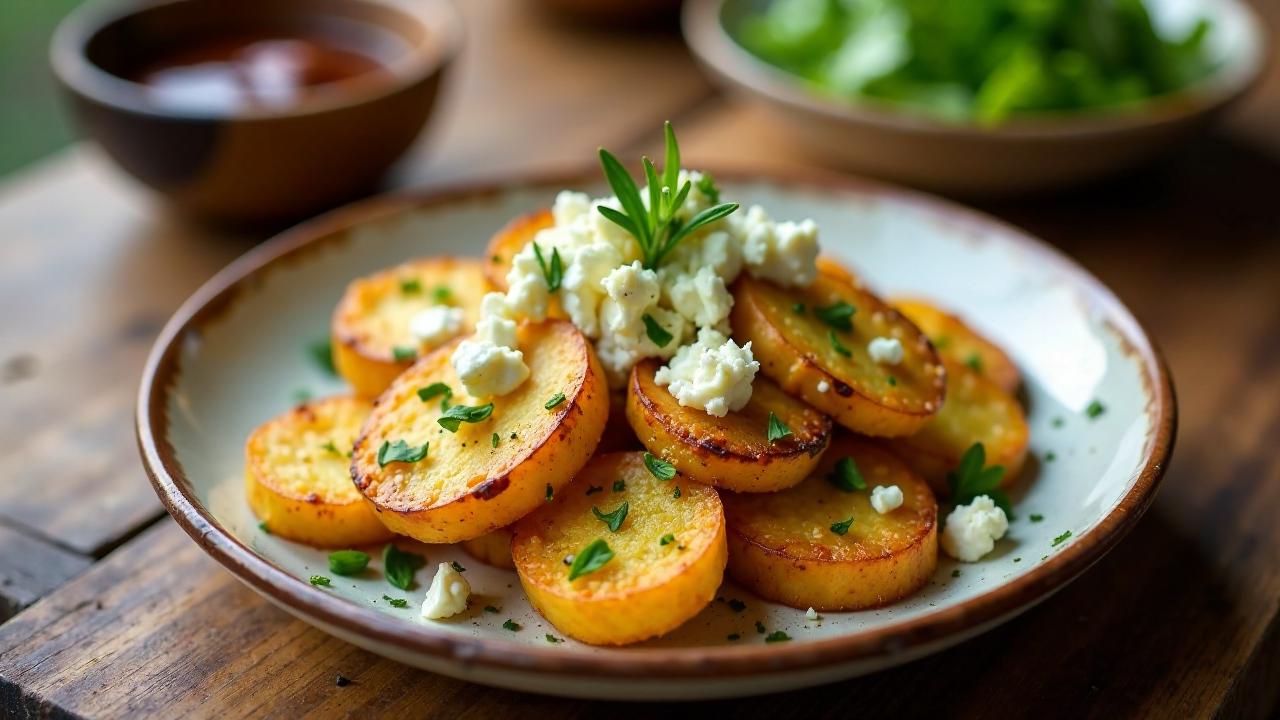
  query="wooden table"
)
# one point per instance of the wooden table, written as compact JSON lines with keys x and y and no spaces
{"x":112,"y":611}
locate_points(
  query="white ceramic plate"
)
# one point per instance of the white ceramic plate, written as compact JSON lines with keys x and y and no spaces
{"x":235,"y":355}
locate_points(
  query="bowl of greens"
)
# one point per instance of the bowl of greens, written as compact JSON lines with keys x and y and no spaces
{"x":983,"y":97}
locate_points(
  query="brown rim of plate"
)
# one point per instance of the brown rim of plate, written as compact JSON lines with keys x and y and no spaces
{"x":718,"y":53}
{"x":216,"y":295}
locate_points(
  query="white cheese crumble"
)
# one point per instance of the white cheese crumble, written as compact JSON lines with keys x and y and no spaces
{"x":713,"y":374}
{"x":811,"y":615}
{"x":824,"y":386}
{"x":886,"y":499}
{"x":487,"y":363}
{"x":437,"y":324}
{"x":447,"y":595}
{"x":885,"y":350}
{"x":972,"y":530}
{"x":607,"y":293}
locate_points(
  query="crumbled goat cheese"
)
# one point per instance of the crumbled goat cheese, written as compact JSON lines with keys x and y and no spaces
{"x":824,"y":386}
{"x":437,"y":324}
{"x":713,"y":374}
{"x":487,"y":363}
{"x":886,"y":499}
{"x":972,"y":530}
{"x":606,"y":292}
{"x":885,"y":350}
{"x":447,"y":595}
{"x":811,"y":615}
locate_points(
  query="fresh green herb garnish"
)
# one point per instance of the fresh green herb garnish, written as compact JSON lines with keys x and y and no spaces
{"x":433,"y":391}
{"x":659,"y":468}
{"x":777,"y":636}
{"x":321,"y":581}
{"x":846,"y":476}
{"x":667,"y":539}
{"x":493,"y":441}
{"x":263,"y":527}
{"x":396,"y":602}
{"x":1050,"y":456}
{"x":321,"y":352}
{"x":955,"y":573}
{"x":1037,"y":517}
{"x":400,"y":353}
{"x":1058,"y":422}
{"x":619,"y":485}
{"x":656,"y":332}
{"x":676,"y":493}
{"x":1061,"y":538}
{"x":442,"y":295}
{"x":554,"y":401}
{"x":456,"y":566}
{"x":707,"y":186}
{"x":842,"y":527}
{"x":330,"y":447}
{"x":974,"y":361}
{"x":798,"y":308}
{"x":837,"y":345}
{"x":777,"y":429}
{"x":458,"y":414}
{"x":348,"y":562}
{"x":511,"y":625}
{"x":400,"y":451}
{"x":491,"y":609}
{"x":893,"y":381}
{"x":838,"y":315}
{"x":399,"y":566}
{"x":612,"y":520}
{"x":657,"y":229}
{"x":970,"y":480}
{"x":553,"y":639}
{"x":591,"y":558}
{"x":1094,"y":409}
{"x":759,"y":628}
{"x":411,"y":286}
{"x":552,"y":273}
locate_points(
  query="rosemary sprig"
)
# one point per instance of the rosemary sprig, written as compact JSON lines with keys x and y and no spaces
{"x":657,"y":230}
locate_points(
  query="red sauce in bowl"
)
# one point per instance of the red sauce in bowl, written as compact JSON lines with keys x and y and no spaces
{"x":245,"y":71}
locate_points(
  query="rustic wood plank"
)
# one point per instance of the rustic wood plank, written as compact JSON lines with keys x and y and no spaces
{"x":95,"y":265}
{"x":32,"y":568}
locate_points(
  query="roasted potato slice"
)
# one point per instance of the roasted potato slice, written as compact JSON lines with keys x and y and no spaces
{"x":510,"y":240}
{"x":297,"y":476}
{"x":833,"y":268}
{"x":829,"y":366}
{"x":786,"y":547}
{"x":732,"y":452}
{"x":492,"y":548}
{"x":976,"y":410}
{"x":372,"y":342}
{"x":471,"y":482}
{"x":668,"y":553}
{"x":955,"y":340}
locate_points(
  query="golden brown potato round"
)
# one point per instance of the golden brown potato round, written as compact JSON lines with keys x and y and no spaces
{"x":492,"y":548}
{"x":297,"y":475}
{"x":511,"y":239}
{"x":783,"y":546}
{"x":668,"y":553}
{"x":832,"y":267}
{"x":732,"y":452}
{"x":976,"y":410}
{"x":372,"y":342}
{"x":465,"y":486}
{"x":955,"y":340}
{"x":830,"y":368}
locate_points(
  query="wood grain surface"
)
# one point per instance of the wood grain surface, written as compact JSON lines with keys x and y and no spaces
{"x":1181,"y":620}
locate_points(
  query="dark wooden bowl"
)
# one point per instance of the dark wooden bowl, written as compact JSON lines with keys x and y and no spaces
{"x":256,"y":165}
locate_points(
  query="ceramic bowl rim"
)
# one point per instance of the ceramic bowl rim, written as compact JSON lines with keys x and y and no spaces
{"x":77,"y":73}
{"x":218,"y":294}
